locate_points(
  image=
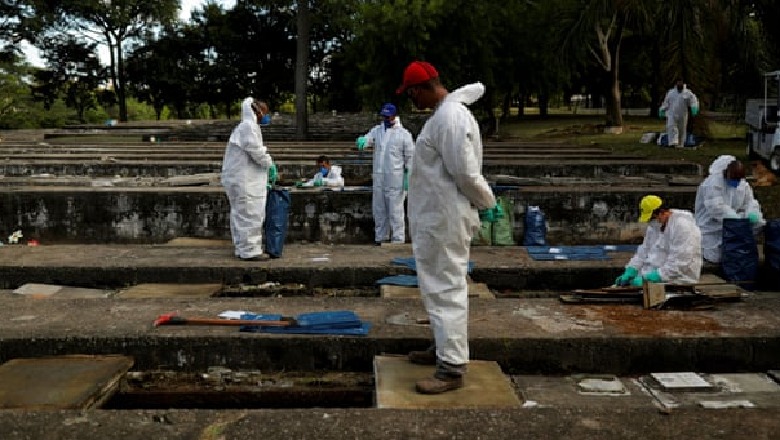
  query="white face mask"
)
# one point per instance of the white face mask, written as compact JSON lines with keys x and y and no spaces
{"x":654,"y":223}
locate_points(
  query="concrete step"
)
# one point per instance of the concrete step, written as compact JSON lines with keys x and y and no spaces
{"x":524,"y":336}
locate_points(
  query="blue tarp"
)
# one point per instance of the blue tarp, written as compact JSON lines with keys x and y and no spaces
{"x":739,"y":252}
{"x":399,"y":280}
{"x":409,"y":262}
{"x":772,"y":252}
{"x":339,"y":322}
{"x":277,"y":208}
{"x":535,"y":227}
{"x":577,"y":253}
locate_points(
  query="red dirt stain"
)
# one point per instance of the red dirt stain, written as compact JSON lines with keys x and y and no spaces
{"x":639,"y":321}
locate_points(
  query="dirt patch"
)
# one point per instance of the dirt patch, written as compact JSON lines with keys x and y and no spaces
{"x":639,"y":321}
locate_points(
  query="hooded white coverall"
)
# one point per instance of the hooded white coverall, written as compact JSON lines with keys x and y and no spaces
{"x":674,"y":252}
{"x":676,"y":106}
{"x":393,"y":150}
{"x":332,"y":179}
{"x":716,"y":200}
{"x":244,"y":177}
{"x":446,"y":187}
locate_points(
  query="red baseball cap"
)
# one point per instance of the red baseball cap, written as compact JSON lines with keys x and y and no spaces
{"x":417,"y":72}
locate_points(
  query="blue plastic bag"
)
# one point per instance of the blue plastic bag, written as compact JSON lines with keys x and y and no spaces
{"x":739,"y":252}
{"x":277,"y":208}
{"x":535,"y":227}
{"x":772,"y":252}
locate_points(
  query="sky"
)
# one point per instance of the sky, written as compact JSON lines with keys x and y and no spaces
{"x":33,"y":56}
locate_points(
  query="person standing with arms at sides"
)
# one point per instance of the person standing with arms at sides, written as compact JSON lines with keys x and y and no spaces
{"x":393,"y":149}
{"x":446,"y":188}
{"x":245,"y":169}
{"x":675,"y":107}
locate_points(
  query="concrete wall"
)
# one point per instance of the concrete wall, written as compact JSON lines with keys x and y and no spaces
{"x":354,"y":168}
{"x":575,"y":215}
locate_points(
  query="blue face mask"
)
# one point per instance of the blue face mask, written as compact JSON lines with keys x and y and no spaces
{"x":733,"y":182}
{"x":324,"y":172}
{"x":389,"y":124}
{"x":265,"y":120}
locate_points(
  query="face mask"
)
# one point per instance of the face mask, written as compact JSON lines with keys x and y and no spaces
{"x":324,"y":172}
{"x":679,"y":88}
{"x":265,"y":120}
{"x":654,"y":223}
{"x":389,"y":123}
{"x":733,"y":182}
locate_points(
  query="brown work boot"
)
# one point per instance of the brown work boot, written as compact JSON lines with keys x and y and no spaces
{"x":423,"y":357}
{"x":439,"y":384}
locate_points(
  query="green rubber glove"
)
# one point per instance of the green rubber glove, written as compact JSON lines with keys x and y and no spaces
{"x":273,"y":174}
{"x":298,"y":184}
{"x":653,"y":277}
{"x":637,"y":281}
{"x":498,"y":211}
{"x":661,"y":113}
{"x":753,"y":217}
{"x":406,"y":180}
{"x":360,"y":143}
{"x":486,"y":215}
{"x":695,"y":110}
{"x":626,"y":277}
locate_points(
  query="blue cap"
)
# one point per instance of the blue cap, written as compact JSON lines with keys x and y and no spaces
{"x":388,"y":110}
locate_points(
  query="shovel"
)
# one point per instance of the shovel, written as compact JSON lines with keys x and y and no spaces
{"x":174,"y":319}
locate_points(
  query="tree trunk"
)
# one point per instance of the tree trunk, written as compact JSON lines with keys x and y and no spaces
{"x":120,"y":84}
{"x":302,"y":70}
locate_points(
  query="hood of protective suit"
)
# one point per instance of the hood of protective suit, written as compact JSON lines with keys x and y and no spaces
{"x":468,"y":93}
{"x":720,"y":164}
{"x":247,"y":114}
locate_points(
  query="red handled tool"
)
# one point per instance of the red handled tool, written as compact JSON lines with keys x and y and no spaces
{"x":174,"y":319}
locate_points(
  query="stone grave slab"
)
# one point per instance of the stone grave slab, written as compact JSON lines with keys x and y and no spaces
{"x":61,"y":382}
{"x":476,"y":290}
{"x":485,"y":386}
{"x":57,"y":291}
{"x":200,"y":242}
{"x":153,"y":290}
{"x":582,"y":391}
{"x":739,"y":390}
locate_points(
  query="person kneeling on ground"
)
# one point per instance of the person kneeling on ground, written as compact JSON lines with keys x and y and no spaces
{"x":671,"y":249}
{"x":724,"y":194}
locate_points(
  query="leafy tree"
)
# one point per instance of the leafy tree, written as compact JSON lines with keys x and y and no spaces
{"x":110,"y":22}
{"x":73,"y":71}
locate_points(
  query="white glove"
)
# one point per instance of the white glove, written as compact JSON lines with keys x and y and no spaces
{"x":730,"y":213}
{"x":266,"y":161}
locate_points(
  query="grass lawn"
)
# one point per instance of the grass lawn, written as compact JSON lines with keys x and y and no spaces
{"x":725,"y":138}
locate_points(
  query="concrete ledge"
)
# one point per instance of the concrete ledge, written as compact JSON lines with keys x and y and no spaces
{"x":575,"y":214}
{"x":524,"y":337}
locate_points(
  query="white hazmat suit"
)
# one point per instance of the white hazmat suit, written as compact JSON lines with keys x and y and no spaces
{"x":715,"y":200}
{"x":446,"y":188}
{"x":244,"y":177}
{"x":393,"y":150}
{"x":675,"y":106}
{"x":674,"y":252}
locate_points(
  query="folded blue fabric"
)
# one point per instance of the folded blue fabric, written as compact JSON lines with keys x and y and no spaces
{"x":569,"y":257}
{"x":399,"y":280}
{"x":339,"y":322}
{"x":409,"y":262}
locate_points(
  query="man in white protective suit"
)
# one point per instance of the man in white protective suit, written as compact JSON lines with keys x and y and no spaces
{"x":245,"y":169}
{"x":724,"y":194}
{"x":446,"y":188}
{"x":393,"y":149}
{"x":670,"y":251}
{"x":675,"y":107}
